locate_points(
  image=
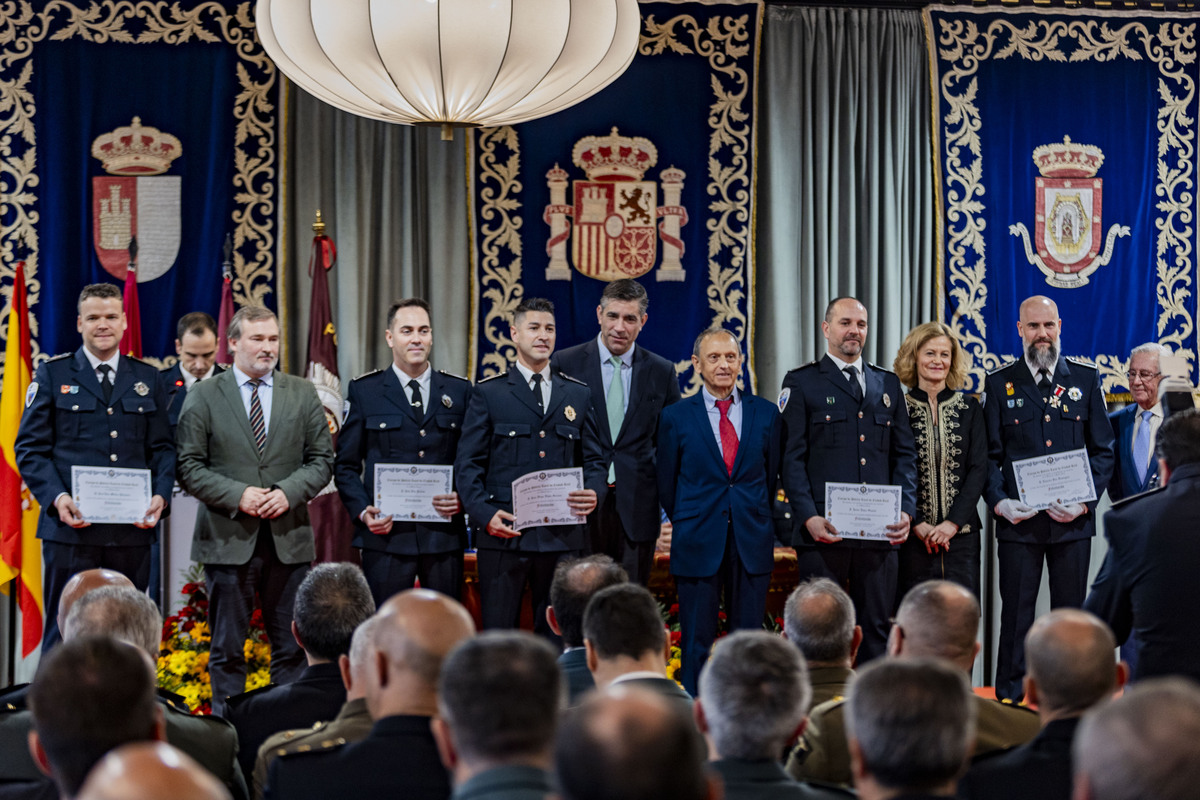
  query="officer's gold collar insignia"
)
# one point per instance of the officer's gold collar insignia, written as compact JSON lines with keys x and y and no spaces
{"x":569,"y":413}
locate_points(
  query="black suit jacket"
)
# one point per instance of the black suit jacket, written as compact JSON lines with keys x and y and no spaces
{"x":1146,"y":583}
{"x":505,"y":437}
{"x":316,"y":696}
{"x":383,"y":427}
{"x":653,"y":387}
{"x":1040,"y":769}
{"x":398,"y":759}
{"x":573,"y":664}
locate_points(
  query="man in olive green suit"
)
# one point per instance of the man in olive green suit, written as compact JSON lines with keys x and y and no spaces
{"x":253,"y":447}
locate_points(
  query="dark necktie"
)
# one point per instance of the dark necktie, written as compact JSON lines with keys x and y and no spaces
{"x":729,"y":439}
{"x":106,"y":381}
{"x":537,"y":391}
{"x":257,"y":423}
{"x":416,"y":398}
{"x":855,"y":389}
{"x":1043,"y":384}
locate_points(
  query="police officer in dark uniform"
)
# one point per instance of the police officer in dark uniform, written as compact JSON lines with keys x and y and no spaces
{"x":1038,"y":405}
{"x":93,"y":408}
{"x":846,"y":421}
{"x":196,"y":345}
{"x":529,"y":419}
{"x":408,"y":413}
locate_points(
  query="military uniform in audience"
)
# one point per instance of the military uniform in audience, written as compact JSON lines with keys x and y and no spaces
{"x":352,"y":724}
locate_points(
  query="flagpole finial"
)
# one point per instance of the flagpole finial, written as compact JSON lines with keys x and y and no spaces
{"x":318,"y":225}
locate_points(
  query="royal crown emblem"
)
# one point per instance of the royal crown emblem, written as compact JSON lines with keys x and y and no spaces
{"x":618,"y":220}
{"x":130,"y":202}
{"x":1067,"y":230}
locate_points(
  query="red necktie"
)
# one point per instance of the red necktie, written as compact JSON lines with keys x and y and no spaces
{"x":729,"y":440}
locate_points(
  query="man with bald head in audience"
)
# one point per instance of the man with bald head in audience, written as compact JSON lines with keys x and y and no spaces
{"x":630,"y":743}
{"x":1070,"y":668}
{"x":936,"y":619}
{"x":1144,"y":744}
{"x":573,"y":586}
{"x":416,"y":629}
{"x":818,"y":618}
{"x":150,"y":771}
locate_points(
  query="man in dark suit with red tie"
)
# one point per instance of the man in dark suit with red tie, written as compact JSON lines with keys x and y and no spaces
{"x":718,"y":466}
{"x":626,"y":522}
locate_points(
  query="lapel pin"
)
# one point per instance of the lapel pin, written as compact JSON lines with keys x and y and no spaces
{"x":887,"y":400}
{"x":1008,"y":388}
{"x":141,"y":388}
{"x":446,"y":401}
{"x":829,"y":401}
{"x":1074,"y":393}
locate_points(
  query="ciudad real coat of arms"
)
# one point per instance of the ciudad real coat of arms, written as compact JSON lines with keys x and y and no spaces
{"x":1067,"y":230}
{"x":617,"y":217}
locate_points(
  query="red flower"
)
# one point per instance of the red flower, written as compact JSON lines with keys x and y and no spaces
{"x":675,"y":638}
{"x":192,"y":588}
{"x":721,"y":616}
{"x":779,"y":621}
{"x":673,"y":610}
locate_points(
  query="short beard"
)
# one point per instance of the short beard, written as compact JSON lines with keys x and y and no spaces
{"x":1042,"y":359}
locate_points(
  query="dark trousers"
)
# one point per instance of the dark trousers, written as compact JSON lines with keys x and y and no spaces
{"x":608,"y":536}
{"x":389,"y":573}
{"x":61,"y":561}
{"x":959,"y":564}
{"x":231,"y":594}
{"x":869,"y":575}
{"x":1020,"y":579}
{"x":700,"y":602}
{"x":502,"y":578}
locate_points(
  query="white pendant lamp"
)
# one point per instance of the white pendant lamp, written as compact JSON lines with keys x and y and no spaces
{"x":453,"y":63}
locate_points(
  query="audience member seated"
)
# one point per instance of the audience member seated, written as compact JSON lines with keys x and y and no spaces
{"x":352,"y":723}
{"x":415,"y":631}
{"x":574,"y":584}
{"x":631,"y":743}
{"x":151,"y":771}
{"x":1069,"y":668}
{"x":1145,"y":744}
{"x":936,"y":619}
{"x":627,"y":643}
{"x":910,"y":724}
{"x":332,"y":601}
{"x":498,"y":702}
{"x":753,"y":702}
{"x":819,"y":619}
{"x":90,"y":695}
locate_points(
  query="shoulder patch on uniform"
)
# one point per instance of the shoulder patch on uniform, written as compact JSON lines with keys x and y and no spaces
{"x":492,"y":377}
{"x":572,"y":380}
{"x":31,"y":393}
{"x":1079,"y":362}
{"x":452,"y":375}
{"x":1124,"y":501}
{"x":1005,"y":365}
{"x":784,"y":394}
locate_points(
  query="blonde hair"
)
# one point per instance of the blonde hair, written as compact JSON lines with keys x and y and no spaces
{"x":905,"y":364}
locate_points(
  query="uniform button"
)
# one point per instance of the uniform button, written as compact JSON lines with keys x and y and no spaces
{"x":383,"y":424}
{"x":420,"y":454}
{"x":827,"y":418}
{"x":1077,"y":418}
{"x":512,"y":433}
{"x":862,"y":461}
{"x":113,"y":434}
{"x":113,"y":457}
{"x":453,"y":424}
{"x":787,"y":515}
{"x":889,"y":423}
{"x":862,"y":438}
{"x":139,"y":409}
{"x":110,"y":412}
{"x":542,"y":434}
{"x":860,"y":415}
{"x":74,"y":408}
{"x":421,"y":432}
{"x":1048,"y":443}
{"x":541,"y":454}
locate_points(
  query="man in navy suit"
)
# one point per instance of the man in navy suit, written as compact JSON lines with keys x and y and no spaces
{"x":94,"y":408}
{"x":718,"y":466}
{"x":196,"y":346}
{"x":409,"y":413}
{"x":846,"y":421}
{"x":626,"y":522}
{"x":528,"y":419}
{"x":1136,"y":425}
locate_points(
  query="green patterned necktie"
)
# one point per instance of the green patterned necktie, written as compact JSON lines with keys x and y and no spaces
{"x":616,"y":409}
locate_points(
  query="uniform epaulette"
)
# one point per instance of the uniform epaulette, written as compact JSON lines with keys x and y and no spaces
{"x":238,"y":699}
{"x":572,"y":380}
{"x":452,"y":375}
{"x":492,"y":377}
{"x":881,"y":369}
{"x":805,"y":366}
{"x":138,"y":360}
{"x":1011,"y":704}
{"x":1079,"y":362}
{"x":323,"y":746}
{"x":369,"y":374}
{"x":1124,"y":501}
{"x":60,"y":357}
{"x":1005,"y":365}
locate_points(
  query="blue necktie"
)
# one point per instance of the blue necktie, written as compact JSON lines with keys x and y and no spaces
{"x":1141,"y":448}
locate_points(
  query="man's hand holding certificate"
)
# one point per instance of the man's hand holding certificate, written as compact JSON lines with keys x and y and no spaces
{"x":110,"y":495}
{"x":865,"y":511}
{"x":1055,"y":483}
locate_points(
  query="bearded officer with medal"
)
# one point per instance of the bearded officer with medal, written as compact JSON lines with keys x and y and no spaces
{"x":93,"y":408}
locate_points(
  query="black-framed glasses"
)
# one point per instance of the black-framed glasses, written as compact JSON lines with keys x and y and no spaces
{"x":1144,"y":375}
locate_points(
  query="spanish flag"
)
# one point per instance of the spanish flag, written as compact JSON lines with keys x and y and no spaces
{"x":20,"y":553}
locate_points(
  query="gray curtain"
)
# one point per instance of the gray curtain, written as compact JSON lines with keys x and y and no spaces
{"x":845,"y":181}
{"x":394,"y":199}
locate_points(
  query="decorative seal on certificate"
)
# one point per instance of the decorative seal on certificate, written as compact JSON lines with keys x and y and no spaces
{"x":446,"y":401}
{"x":569,"y":413}
{"x":141,"y":388}
{"x":31,"y":393}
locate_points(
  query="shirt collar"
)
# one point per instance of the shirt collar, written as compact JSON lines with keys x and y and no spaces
{"x":1155,"y":410}
{"x":606,"y":354}
{"x":422,"y":379}
{"x":96,"y":362}
{"x":710,"y":401}
{"x":639,"y":675}
{"x":242,"y":378}
{"x":841,"y":365}
{"x":527,"y":373}
{"x":189,"y":378}
{"x":1034,"y":370}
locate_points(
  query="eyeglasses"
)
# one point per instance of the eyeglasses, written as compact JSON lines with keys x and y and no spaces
{"x":1144,"y":376}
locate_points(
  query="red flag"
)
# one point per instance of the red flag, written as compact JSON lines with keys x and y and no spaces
{"x":20,"y":552}
{"x":332,"y":526}
{"x":223,"y":319}
{"x":131,"y":340}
